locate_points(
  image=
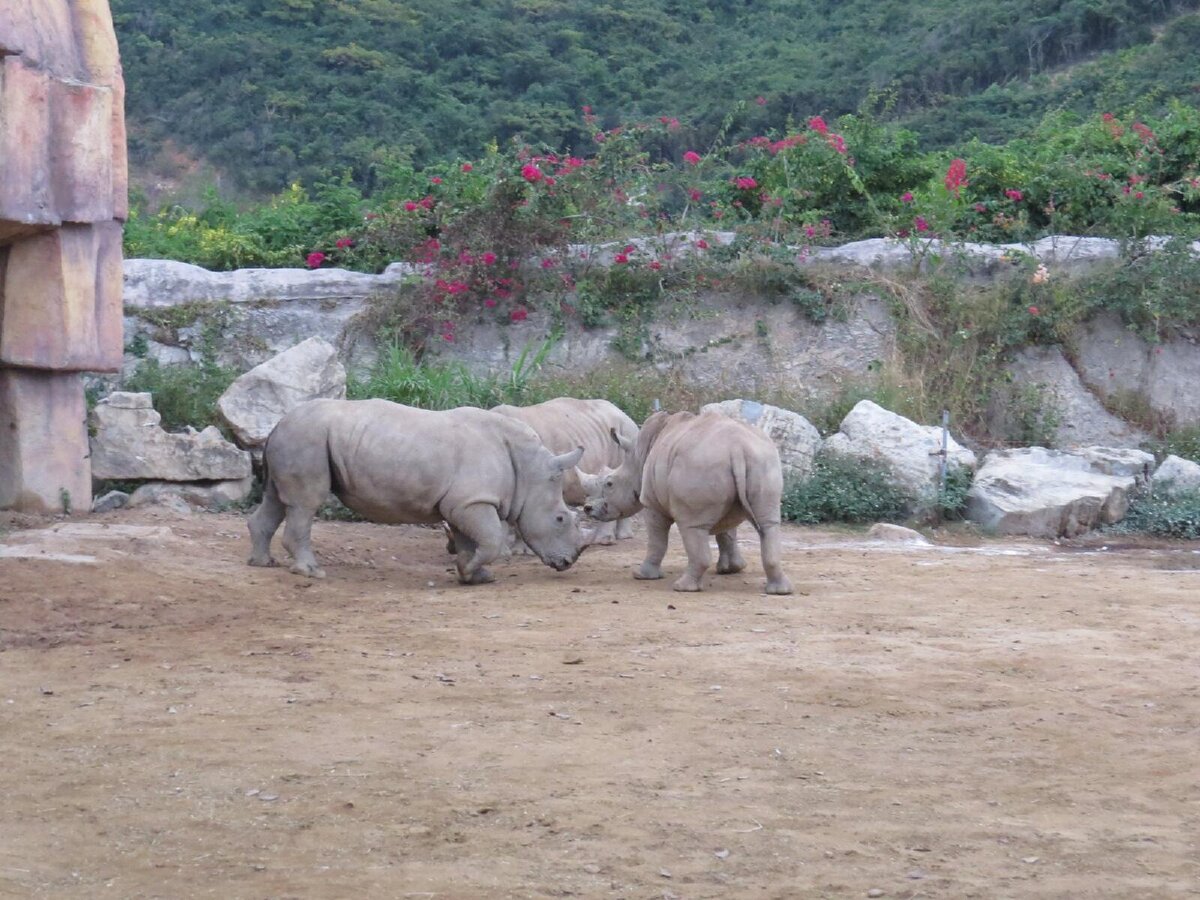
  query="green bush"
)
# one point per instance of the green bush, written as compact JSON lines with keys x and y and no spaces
{"x":845,"y":489}
{"x":1174,"y":514}
{"x":183,"y":395}
{"x":398,"y":376}
{"x":1183,"y":442}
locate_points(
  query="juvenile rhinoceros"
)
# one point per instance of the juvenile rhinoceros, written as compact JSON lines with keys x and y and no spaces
{"x":389,"y":463}
{"x":707,"y":474}
{"x":565,"y":423}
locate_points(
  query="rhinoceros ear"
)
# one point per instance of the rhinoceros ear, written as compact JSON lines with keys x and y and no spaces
{"x":623,"y":442}
{"x":567,"y":460}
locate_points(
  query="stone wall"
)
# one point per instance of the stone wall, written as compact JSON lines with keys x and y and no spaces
{"x":63,"y":197}
{"x":736,"y":344}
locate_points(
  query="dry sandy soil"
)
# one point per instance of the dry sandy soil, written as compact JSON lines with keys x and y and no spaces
{"x":998,"y":720}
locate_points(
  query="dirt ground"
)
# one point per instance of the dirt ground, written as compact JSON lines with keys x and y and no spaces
{"x":1001,"y":720}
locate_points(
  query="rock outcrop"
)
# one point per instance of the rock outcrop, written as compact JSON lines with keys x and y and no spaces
{"x":795,"y":437}
{"x":1049,"y":493}
{"x":911,"y":451}
{"x":1176,"y":474}
{"x":130,"y":445}
{"x":257,"y":400}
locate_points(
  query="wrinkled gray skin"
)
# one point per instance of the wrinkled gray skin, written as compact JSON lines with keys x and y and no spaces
{"x":707,"y":474}
{"x":565,"y":423}
{"x":473,"y":469}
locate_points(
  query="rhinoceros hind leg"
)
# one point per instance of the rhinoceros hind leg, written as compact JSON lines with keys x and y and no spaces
{"x":480,"y":537}
{"x":658,"y":527}
{"x":729,"y":557}
{"x":297,"y":540}
{"x":263,"y":523}
{"x":699,"y":556}
{"x":772,"y":550}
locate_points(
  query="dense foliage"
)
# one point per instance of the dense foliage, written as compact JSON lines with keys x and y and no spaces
{"x":273,"y":91}
{"x":1172,"y":514}
{"x":845,"y":489}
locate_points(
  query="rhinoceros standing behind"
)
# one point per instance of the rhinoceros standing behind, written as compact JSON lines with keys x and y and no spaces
{"x":389,"y":463}
{"x":707,"y":474}
{"x":565,"y":423}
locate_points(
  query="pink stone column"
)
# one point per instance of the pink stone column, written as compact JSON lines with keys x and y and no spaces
{"x":63,"y":199}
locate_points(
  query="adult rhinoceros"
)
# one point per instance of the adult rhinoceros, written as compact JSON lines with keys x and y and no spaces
{"x":565,"y":423}
{"x":707,"y":474}
{"x":395,"y":464}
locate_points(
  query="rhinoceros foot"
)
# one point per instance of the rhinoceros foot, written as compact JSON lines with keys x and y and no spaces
{"x":479,"y":576}
{"x":687,"y":582}
{"x":647,"y":572}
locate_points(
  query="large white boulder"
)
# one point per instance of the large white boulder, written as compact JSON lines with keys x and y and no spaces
{"x":1048,"y":493}
{"x":1177,"y":473}
{"x":796,"y":438}
{"x":911,"y":451}
{"x":128,"y":444}
{"x":257,"y":400}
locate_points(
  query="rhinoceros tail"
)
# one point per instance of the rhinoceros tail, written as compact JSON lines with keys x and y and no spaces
{"x":741,"y":482}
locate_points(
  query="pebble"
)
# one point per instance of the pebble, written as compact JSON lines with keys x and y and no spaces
{"x":875,"y":892}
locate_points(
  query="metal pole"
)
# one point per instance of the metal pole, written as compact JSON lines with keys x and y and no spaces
{"x":945,"y":447}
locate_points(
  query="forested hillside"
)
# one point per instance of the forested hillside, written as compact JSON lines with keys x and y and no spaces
{"x":272,"y":91}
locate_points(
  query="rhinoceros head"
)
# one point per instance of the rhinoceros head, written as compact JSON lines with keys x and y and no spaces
{"x":544,"y":521}
{"x":613,"y":493}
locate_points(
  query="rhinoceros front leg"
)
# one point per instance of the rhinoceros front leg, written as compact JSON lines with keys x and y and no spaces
{"x":625,"y":528}
{"x":699,"y":557}
{"x":771,"y":540}
{"x":605,"y":534}
{"x":729,"y":557}
{"x":480,"y":537}
{"x":297,"y":540}
{"x":658,"y":527}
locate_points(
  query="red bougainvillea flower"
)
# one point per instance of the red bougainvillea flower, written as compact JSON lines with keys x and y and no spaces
{"x":550,"y":182}
{"x":629,"y":248}
{"x":488,"y":258}
{"x":745,"y":183}
{"x":702,"y":244}
{"x":1139,"y":196}
{"x":817,"y":124}
{"x":520,"y":314}
{"x":920,"y":224}
{"x":587,"y":110}
{"x":838,"y":143}
{"x":547,"y":263}
{"x":621,"y":258}
{"x":436,"y":180}
{"x":1034,"y":311}
{"x":490,"y":303}
{"x":760,"y":100}
{"x":410,"y":206}
{"x":467,"y":167}
{"x":692,"y":158}
{"x":1014,"y":195}
{"x":655,"y":265}
{"x":1107,"y":117}
{"x":906,"y":197}
{"x":956,"y":176}
{"x":315,"y":259}
{"x":694,"y":195}
{"x":980,"y":208}
{"x":343,"y":243}
{"x":574,"y":162}
{"x":531,"y":173}
{"x":426,"y":202}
